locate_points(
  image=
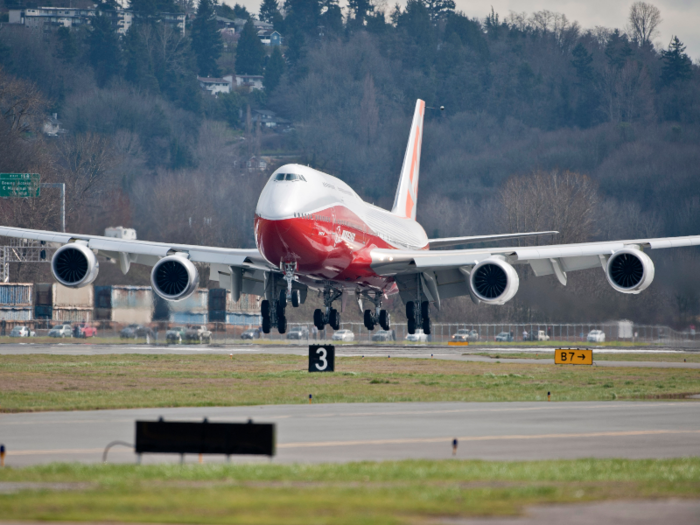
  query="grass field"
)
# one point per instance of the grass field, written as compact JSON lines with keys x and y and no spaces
{"x":57,"y":382}
{"x":410,"y":492}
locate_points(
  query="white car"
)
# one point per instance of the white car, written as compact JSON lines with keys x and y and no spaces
{"x":596,"y":336}
{"x":22,"y":331}
{"x":419,"y":337}
{"x":63,"y":330}
{"x":343,"y":335}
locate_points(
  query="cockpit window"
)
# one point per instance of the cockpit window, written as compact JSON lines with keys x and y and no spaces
{"x":280,"y":176}
{"x":291,"y":176}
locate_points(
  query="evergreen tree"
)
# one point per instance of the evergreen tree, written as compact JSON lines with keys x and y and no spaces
{"x":103,"y":49}
{"x":268,"y":8}
{"x":439,"y":9}
{"x":250,"y":52}
{"x":206,"y":39}
{"x":274,"y":70}
{"x":241,"y":12}
{"x":677,"y":65}
{"x":587,"y":101}
{"x":303,"y":16}
{"x":360,"y":9}
{"x":332,"y":17}
{"x":67,"y":46}
{"x":296,"y":53}
{"x":618,"y":49}
{"x":138,"y":68}
{"x":582,"y":63}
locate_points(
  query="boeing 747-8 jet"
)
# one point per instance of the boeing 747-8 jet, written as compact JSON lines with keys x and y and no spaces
{"x":314,"y":232}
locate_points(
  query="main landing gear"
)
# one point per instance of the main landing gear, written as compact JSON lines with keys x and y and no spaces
{"x":418,"y":315}
{"x":379,"y":316}
{"x":329,"y":315}
{"x":274,"y":312}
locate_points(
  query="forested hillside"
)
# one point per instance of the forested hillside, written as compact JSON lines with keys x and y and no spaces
{"x":594,"y":132}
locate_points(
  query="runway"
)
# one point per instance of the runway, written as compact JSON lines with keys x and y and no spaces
{"x":383,"y":431}
{"x":457,"y":353}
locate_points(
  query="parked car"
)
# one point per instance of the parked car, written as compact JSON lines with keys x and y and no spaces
{"x":61,"y":330}
{"x":384,"y":335}
{"x":84,"y":330}
{"x":504,"y":337}
{"x":251,"y":333}
{"x":175,"y":335}
{"x":596,"y":336}
{"x":22,"y":331}
{"x":536,"y":335}
{"x":136,"y":331}
{"x":419,"y":337}
{"x":464,"y":335}
{"x":298,"y":332}
{"x":198,"y":333}
{"x":343,"y":335}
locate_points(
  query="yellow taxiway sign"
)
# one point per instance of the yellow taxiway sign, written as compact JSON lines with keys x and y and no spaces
{"x":572,"y":356}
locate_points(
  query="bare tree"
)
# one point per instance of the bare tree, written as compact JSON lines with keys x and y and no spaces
{"x":644,"y":19}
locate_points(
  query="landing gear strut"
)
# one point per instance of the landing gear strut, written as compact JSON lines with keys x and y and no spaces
{"x":418,"y":315}
{"x":379,"y":316}
{"x":330,"y":316}
{"x":273,"y":310}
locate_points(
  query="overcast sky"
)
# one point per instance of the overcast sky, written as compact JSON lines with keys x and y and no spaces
{"x":679,"y":17}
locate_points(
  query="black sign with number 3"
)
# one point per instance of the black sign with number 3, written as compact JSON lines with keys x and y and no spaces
{"x":321,"y":358}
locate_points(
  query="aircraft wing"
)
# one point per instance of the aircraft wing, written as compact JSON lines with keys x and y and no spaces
{"x":145,"y":252}
{"x":444,"y":271}
{"x":454,"y":241}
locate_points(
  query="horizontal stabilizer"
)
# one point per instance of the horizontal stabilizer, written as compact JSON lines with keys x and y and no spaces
{"x":455,"y":241}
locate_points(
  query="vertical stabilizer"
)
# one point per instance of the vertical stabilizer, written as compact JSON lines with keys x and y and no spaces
{"x":407,"y":192}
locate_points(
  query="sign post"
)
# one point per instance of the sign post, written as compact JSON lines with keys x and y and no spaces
{"x":573,"y":356}
{"x":19,"y":184}
{"x":321,"y":358}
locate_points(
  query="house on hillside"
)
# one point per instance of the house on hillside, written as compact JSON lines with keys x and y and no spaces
{"x":52,"y":127}
{"x":269,"y":37}
{"x":268,"y":118}
{"x":256,"y":163}
{"x":250,"y":81}
{"x":216,"y":85}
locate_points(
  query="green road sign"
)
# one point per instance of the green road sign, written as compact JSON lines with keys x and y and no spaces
{"x":19,"y":184}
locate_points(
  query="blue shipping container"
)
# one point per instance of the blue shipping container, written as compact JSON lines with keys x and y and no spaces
{"x":243,"y":319}
{"x":16,"y":294}
{"x":188,"y":318}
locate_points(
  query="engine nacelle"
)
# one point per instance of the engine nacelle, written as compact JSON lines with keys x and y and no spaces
{"x":74,"y":265}
{"x":174,"y":278}
{"x":494,"y":281}
{"x":630,"y":271}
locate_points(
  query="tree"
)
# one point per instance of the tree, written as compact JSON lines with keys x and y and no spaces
{"x":104,"y":52}
{"x":643,"y":20}
{"x":206,"y":39}
{"x":617,"y":49}
{"x":250,"y":52}
{"x":303,"y":15}
{"x":439,"y":9}
{"x":274,"y":70}
{"x":360,"y":10}
{"x":268,"y":9}
{"x":677,"y":65}
{"x":331,"y":17}
{"x":240,"y":11}
{"x":68,"y":49}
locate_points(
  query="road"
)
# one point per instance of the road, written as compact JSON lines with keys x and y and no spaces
{"x":457,"y":353}
{"x":384,"y":431}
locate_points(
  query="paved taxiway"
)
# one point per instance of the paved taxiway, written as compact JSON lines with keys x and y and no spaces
{"x":457,"y":353}
{"x":385,"y":431}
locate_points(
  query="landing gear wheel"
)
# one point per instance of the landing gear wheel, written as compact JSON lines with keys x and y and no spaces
{"x":266,"y":325}
{"x":318,"y":319}
{"x":334,"y":319}
{"x":281,"y":324}
{"x":296,"y":298}
{"x":385,"y":320}
{"x":410,"y":310}
{"x":425,"y":309}
{"x":427,"y":325}
{"x":283,"y":300}
{"x":265,"y":309}
{"x":411,"y":325}
{"x":369,"y":321}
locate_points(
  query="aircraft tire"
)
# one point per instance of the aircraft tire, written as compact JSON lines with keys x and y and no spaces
{"x":265,"y":309}
{"x":318,"y":319}
{"x":411,"y":325}
{"x":283,"y":300}
{"x":296,"y":298}
{"x":281,"y":324}
{"x":334,"y":320}
{"x":427,"y":325}
{"x":385,"y":320}
{"x":369,"y":322}
{"x":411,"y":310}
{"x":425,"y":309}
{"x":266,"y":325}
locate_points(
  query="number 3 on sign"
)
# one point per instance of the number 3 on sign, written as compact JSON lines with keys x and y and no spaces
{"x":321,"y":358}
{"x":322,"y":352}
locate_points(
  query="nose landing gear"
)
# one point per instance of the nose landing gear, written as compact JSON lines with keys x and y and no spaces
{"x":273,"y":311}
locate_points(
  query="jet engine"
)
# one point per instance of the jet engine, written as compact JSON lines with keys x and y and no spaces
{"x":174,"y":278}
{"x":630,"y":271}
{"x":74,"y":265}
{"x":494,"y":281}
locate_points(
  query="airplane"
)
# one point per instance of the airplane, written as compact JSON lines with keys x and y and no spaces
{"x":313,"y":232}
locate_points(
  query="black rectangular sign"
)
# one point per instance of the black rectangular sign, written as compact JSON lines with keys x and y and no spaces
{"x":321,"y":358}
{"x":186,"y":437}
